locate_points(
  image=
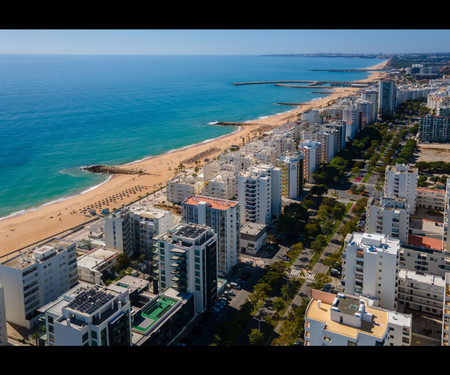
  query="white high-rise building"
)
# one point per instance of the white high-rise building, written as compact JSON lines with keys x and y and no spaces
{"x":222,"y":216}
{"x":131,"y":229}
{"x":89,"y":316}
{"x":401,"y":182}
{"x":388,"y":216}
{"x":188,"y":263}
{"x":327,"y":137}
{"x":259,"y":194}
{"x":371,"y":267}
{"x":35,"y":277}
{"x":311,"y":151}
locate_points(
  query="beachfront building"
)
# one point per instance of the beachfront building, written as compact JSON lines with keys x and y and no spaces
{"x":35,"y":277}
{"x":188,"y":263}
{"x":224,"y":218}
{"x":223,"y":185}
{"x":344,"y":320}
{"x":420,"y":292}
{"x":259,"y":194}
{"x":312,"y":116}
{"x":291,"y":166}
{"x":371,"y":267}
{"x":311,"y":151}
{"x":434,"y":129}
{"x":253,"y":236}
{"x":182,"y":186}
{"x":89,"y":315}
{"x":386,"y":97}
{"x":92,"y":265}
{"x":389,"y":216}
{"x":131,"y":229}
{"x":401,"y":182}
{"x":3,"y":326}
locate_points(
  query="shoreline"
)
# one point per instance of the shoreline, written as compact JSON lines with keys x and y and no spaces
{"x":29,"y":226}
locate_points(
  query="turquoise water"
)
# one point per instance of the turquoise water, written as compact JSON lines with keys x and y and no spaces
{"x":58,"y":113}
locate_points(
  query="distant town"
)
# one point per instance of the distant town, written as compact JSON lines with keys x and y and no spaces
{"x":331,"y":230}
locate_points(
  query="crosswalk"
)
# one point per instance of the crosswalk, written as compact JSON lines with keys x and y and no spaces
{"x":297,"y":271}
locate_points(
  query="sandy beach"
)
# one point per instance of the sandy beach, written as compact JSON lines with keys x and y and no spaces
{"x":24,"y":230}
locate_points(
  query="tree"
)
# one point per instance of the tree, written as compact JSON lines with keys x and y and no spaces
{"x":318,"y":190}
{"x":256,"y":338}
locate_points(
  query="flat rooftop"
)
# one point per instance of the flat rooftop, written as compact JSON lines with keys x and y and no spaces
{"x":214,"y":203}
{"x":91,"y":300}
{"x":377,"y":327}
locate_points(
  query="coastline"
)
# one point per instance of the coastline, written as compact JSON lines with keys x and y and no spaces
{"x":22,"y":229}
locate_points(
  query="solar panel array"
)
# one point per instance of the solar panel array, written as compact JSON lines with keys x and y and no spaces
{"x":90,"y":300}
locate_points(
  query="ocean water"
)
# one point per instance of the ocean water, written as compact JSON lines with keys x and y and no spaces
{"x":60,"y":112}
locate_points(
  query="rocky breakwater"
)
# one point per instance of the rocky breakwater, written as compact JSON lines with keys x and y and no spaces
{"x":105,"y":169}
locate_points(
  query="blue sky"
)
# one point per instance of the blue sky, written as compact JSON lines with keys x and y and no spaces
{"x":223,"y":41}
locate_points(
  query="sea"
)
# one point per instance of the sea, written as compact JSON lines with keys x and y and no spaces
{"x":61,"y":112}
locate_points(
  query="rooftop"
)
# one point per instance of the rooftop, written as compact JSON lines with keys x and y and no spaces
{"x":214,"y":203}
{"x":376,"y":327}
{"x":426,"y":242}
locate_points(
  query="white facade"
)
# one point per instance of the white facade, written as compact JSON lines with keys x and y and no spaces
{"x":312,"y":116}
{"x":430,"y":261}
{"x":92,"y":265}
{"x":344,"y":320}
{"x":446,"y":312}
{"x":371,"y":267}
{"x":328,"y":140}
{"x":223,"y":185}
{"x":389,"y":216}
{"x":182,"y":186}
{"x":89,"y":316}
{"x":401,"y":182}
{"x":386,"y":97}
{"x":253,"y":237}
{"x":420,"y":292}
{"x":36,"y":277}
{"x":259,"y":194}
{"x":311,"y":151}
{"x":430,"y":199}
{"x":400,"y":328}
{"x":224,"y":218}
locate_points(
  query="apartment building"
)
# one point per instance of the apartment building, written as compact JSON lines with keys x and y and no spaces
{"x":89,"y":315}
{"x":224,"y":218}
{"x":371,"y":267}
{"x":259,"y":194}
{"x":401,"y":182}
{"x":291,"y":166}
{"x":434,"y":129}
{"x":95,"y":263}
{"x":388,"y":216}
{"x":421,"y":292}
{"x":35,"y":277}
{"x":446,"y":312}
{"x":253,"y":237}
{"x":131,"y":230}
{"x":344,"y":320}
{"x":386,"y":97}
{"x":327,"y":137}
{"x":188,"y":263}
{"x":223,"y":185}
{"x":311,"y":161}
{"x":431,"y":199}
{"x":424,"y":260}
{"x":182,"y":186}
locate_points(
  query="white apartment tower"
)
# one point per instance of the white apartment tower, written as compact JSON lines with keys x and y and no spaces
{"x":35,"y":277}
{"x":401,"y":182}
{"x":89,"y":316}
{"x":222,"y":216}
{"x":371,"y":267}
{"x":311,"y":152}
{"x":388,"y":216}
{"x":188,"y":263}
{"x":259,"y":194}
{"x":291,"y":167}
